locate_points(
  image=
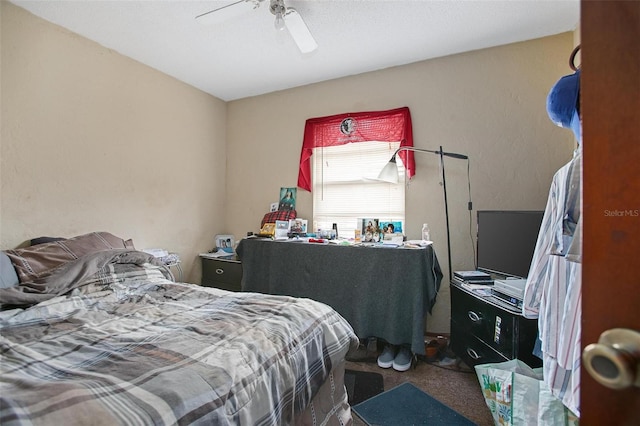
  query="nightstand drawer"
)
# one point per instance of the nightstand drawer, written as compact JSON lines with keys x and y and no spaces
{"x":222,"y":273}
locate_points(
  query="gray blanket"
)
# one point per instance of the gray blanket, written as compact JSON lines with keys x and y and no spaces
{"x":127,"y":346}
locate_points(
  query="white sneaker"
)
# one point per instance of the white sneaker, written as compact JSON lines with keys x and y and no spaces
{"x":402,"y":361}
{"x":385,"y":360}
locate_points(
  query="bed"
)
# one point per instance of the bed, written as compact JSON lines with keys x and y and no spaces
{"x":96,"y":332}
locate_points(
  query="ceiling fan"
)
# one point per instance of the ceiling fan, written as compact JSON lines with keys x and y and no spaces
{"x":286,"y":17}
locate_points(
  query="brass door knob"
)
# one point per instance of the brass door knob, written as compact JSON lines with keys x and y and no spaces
{"x":614,"y":361}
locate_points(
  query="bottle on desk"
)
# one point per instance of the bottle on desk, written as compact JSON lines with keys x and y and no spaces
{"x":426,"y":235}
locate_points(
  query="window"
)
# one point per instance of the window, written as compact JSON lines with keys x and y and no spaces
{"x":345,"y":186}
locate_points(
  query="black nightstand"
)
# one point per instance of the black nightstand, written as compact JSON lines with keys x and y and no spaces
{"x":485,"y":330}
{"x":221,"y":272}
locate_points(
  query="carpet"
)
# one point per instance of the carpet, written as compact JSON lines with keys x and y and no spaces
{"x":362,"y":385}
{"x":407,"y":405}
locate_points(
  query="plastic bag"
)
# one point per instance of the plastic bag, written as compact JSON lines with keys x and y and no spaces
{"x":516,"y":395}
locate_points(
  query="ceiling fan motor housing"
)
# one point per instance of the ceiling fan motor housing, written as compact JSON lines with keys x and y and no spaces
{"x":277,"y":7}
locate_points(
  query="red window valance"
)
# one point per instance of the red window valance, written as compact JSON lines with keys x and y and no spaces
{"x":384,"y":126}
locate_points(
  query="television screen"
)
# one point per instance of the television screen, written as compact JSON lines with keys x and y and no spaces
{"x":506,"y":240}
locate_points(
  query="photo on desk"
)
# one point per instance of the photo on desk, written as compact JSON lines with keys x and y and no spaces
{"x":268,"y":229}
{"x":391,"y":227}
{"x":225,"y":243}
{"x":287,"y":198}
{"x":282,"y":229}
{"x":370,"y":230}
{"x":298,"y":226}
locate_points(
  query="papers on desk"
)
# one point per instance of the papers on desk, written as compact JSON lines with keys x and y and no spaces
{"x":412,"y":244}
{"x":216,"y":254}
{"x":341,"y":242}
{"x":419,"y":243}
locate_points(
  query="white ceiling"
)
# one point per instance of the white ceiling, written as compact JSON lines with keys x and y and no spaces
{"x":246,"y":56}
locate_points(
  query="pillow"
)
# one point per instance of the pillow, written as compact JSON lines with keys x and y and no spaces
{"x":8,"y":276}
{"x":278,"y":215}
{"x":41,"y":260}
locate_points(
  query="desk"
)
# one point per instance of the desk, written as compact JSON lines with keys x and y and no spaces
{"x":381,"y":292}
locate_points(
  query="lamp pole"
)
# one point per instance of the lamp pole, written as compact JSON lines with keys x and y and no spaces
{"x":446,"y":209}
{"x":441,"y":154}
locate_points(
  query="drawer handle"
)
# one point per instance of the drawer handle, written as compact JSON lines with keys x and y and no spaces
{"x":473,"y":316}
{"x":473,"y":354}
{"x":219,"y":271}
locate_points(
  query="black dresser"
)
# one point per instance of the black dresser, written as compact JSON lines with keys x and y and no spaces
{"x":485,"y":329}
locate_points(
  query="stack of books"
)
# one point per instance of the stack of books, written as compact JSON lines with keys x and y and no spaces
{"x":474,"y":277}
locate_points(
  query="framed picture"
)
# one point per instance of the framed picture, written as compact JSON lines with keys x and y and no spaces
{"x":298,"y":226}
{"x":225,"y":243}
{"x":391,"y":227}
{"x":287,"y":198}
{"x":370,"y":230}
{"x":282,"y":229}
{"x":268,"y":228}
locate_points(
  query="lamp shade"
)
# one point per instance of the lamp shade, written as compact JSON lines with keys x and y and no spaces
{"x":390,"y":171}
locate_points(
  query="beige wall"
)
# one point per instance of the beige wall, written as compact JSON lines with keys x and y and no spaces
{"x":488,"y":104}
{"x":92,"y":140}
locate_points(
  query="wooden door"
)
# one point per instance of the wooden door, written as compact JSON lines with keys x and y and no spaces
{"x":610,"y":101}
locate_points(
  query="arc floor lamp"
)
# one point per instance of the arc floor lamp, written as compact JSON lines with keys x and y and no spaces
{"x":390,"y":174}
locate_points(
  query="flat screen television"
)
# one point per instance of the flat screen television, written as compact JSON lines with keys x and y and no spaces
{"x":506,"y":240}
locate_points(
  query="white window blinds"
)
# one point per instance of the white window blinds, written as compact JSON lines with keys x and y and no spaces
{"x":345,"y":186}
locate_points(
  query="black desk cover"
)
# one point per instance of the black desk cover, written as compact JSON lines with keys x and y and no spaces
{"x":381,"y":292}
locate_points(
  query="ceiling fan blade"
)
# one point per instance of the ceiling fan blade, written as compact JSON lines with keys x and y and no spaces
{"x":299,"y":31}
{"x":229,"y":11}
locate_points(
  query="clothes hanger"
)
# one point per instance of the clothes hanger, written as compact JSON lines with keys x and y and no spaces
{"x":573,"y":57}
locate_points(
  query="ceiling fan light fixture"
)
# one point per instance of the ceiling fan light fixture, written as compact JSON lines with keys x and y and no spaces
{"x":278,"y":8}
{"x":279,"y":23}
{"x":286,"y":17}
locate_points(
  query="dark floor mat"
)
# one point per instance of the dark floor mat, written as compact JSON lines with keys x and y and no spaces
{"x":362,"y":385}
{"x":407,"y":405}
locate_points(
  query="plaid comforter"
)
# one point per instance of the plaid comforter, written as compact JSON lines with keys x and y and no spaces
{"x":129,"y":346}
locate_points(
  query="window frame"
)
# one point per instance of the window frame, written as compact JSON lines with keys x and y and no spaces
{"x":357,"y":185}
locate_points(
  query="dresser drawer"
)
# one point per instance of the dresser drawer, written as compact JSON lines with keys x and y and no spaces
{"x":225,"y":274}
{"x":472,"y":350}
{"x":490,"y":324}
